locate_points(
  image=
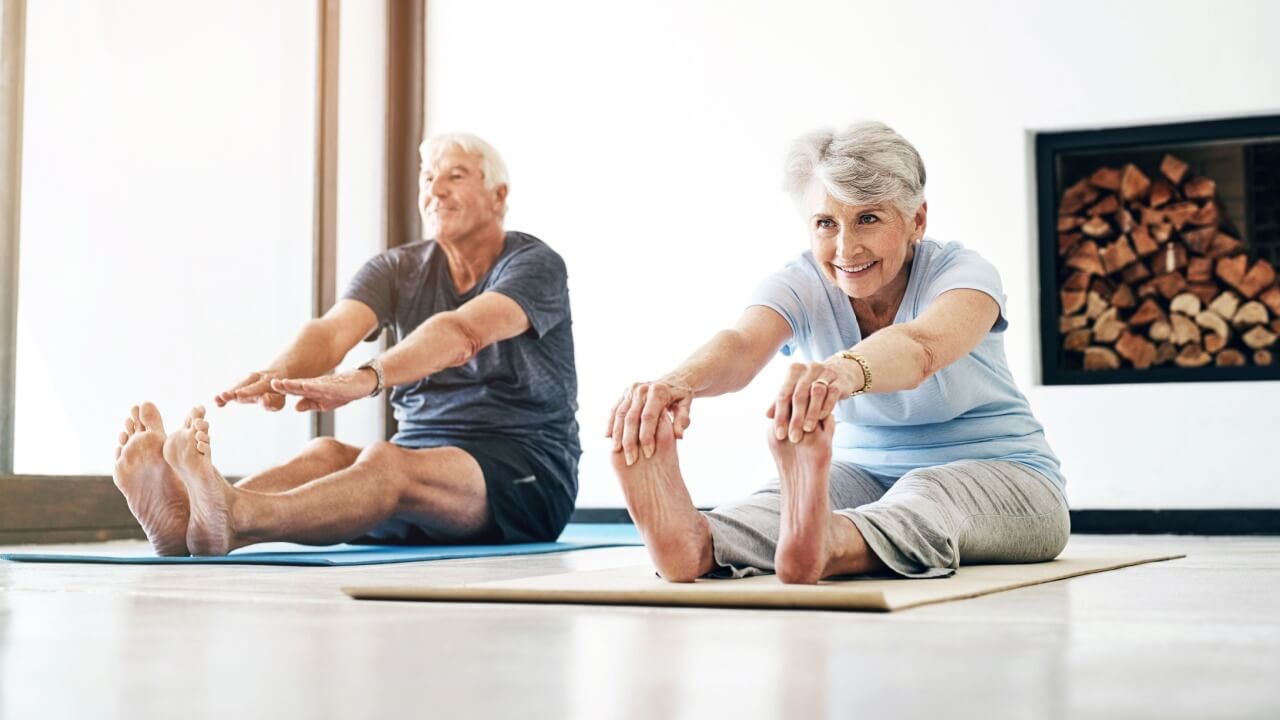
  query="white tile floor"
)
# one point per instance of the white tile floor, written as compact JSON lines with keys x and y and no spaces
{"x":1191,"y":638}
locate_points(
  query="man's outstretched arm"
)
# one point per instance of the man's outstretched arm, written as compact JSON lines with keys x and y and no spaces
{"x":445,"y":340}
{"x":318,"y":348}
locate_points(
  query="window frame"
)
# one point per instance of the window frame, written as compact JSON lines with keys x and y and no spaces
{"x":87,"y":508}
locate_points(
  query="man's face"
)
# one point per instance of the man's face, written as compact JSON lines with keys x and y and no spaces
{"x":452,"y":196}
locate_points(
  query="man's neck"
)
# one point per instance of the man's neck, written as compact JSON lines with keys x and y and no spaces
{"x":472,"y":255}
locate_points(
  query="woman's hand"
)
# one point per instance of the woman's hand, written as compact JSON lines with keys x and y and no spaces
{"x":256,"y":388}
{"x":328,"y":392}
{"x":633,"y":422}
{"x":809,"y":395}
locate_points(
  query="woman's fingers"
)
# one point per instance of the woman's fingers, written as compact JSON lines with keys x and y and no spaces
{"x":613,"y":416}
{"x":631,"y":429}
{"x":818,"y":393}
{"x":620,"y":420}
{"x":681,"y":420}
{"x":655,"y":403}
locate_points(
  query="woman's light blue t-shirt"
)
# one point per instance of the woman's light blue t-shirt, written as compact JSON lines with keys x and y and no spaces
{"x":969,"y":410}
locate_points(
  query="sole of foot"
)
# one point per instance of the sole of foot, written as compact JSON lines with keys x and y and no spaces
{"x":675,"y":533}
{"x":188,"y":452}
{"x":155,"y":494}
{"x":804,"y":470}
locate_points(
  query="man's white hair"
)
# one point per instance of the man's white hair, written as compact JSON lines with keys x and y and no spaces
{"x":863,"y":164}
{"x":491,"y":164}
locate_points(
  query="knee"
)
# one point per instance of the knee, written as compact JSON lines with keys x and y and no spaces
{"x":381,"y":454}
{"x":331,"y":450}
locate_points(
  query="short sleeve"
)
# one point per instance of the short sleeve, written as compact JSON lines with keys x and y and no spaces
{"x":784,"y":292}
{"x":374,"y":285}
{"x":535,"y":277}
{"x":958,"y":268}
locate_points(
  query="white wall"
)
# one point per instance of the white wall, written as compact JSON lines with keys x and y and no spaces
{"x":645,"y":143}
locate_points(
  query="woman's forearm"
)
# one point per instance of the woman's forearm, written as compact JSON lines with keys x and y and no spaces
{"x":896,"y":359}
{"x":725,"y":364}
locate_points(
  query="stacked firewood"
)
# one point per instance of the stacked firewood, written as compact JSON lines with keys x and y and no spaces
{"x":1150,"y":274}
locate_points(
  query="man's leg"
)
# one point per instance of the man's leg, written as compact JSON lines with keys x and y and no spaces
{"x":439,"y":489}
{"x":322,"y":456}
{"x":156,"y":496}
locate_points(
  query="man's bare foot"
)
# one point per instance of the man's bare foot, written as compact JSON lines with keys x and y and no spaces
{"x":187,"y":451}
{"x":156,"y":496}
{"x":805,"y":541}
{"x":675,"y":533}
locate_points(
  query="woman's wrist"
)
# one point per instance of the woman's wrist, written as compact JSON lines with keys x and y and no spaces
{"x":849,"y":371}
{"x":679,"y":382}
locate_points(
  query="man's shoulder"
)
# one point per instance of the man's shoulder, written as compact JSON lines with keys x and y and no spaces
{"x":529,"y":250}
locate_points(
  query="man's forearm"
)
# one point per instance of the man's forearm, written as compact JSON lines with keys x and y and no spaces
{"x":309,"y":355}
{"x":441,"y":342}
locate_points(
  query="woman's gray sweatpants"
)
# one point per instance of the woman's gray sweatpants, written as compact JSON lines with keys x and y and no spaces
{"x":928,"y":523}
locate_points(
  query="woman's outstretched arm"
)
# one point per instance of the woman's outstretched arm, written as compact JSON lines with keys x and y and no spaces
{"x":725,"y":364}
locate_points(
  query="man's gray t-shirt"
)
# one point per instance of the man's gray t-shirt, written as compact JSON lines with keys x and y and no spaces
{"x":523,"y":388}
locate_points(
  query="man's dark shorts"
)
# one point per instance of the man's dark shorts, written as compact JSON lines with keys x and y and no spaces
{"x":530,"y":492}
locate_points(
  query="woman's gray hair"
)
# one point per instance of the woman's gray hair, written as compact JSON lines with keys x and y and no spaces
{"x":863,"y":164}
{"x":491,"y":164}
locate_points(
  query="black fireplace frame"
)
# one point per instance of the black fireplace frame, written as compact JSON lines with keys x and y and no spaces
{"x":1048,"y":146}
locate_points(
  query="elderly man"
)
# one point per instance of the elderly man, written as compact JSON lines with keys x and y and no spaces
{"x":482,"y":379}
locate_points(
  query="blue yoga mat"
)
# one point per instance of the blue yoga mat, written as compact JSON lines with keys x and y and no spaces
{"x":578,"y":536}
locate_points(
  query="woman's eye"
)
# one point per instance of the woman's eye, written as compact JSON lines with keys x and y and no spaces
{"x":826,"y":223}
{"x":867,"y":219}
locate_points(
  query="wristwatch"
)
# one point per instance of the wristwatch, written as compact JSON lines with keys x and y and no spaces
{"x":376,"y":366}
{"x":866,"y":371}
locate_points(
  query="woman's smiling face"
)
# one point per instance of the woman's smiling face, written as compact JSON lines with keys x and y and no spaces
{"x":861,"y":249}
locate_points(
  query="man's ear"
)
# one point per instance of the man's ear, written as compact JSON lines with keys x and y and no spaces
{"x":501,"y":194}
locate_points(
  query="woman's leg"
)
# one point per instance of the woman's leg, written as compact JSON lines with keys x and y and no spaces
{"x":674,"y":532}
{"x":745,"y":532}
{"x":975,"y":511}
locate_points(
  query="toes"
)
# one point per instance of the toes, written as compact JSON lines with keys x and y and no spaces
{"x":124,"y":438}
{"x":202,"y":437}
{"x":202,"y":447}
{"x":150,"y":417}
{"x":130,"y":427}
{"x":200,"y":424}
{"x":118,"y":451}
{"x":197,"y":411}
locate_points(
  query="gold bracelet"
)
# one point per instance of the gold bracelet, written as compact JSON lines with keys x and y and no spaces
{"x":866,"y":371}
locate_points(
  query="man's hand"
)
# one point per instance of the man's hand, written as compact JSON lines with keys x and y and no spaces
{"x":327,"y":392}
{"x":254,"y":389}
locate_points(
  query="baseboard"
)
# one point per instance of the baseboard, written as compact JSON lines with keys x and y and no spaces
{"x":1099,"y":522}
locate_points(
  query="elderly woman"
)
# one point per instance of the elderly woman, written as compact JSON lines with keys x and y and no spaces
{"x":902,"y":444}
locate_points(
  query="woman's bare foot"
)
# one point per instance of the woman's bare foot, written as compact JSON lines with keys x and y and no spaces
{"x":187,"y":451}
{"x":805,"y":541}
{"x":156,"y":496}
{"x":675,"y":533}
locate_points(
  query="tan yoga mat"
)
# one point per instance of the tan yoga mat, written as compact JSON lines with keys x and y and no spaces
{"x":637,"y":585}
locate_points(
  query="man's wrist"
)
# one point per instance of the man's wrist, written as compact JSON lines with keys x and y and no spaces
{"x":379,"y":379}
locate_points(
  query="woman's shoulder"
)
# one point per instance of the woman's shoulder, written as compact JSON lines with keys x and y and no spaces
{"x":939,"y":256}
